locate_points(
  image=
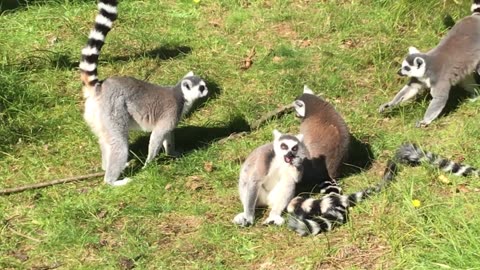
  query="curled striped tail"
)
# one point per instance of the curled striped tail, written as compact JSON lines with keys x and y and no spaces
{"x":107,"y":13}
{"x":413,"y":155}
{"x":475,"y":9}
{"x":314,"y":216}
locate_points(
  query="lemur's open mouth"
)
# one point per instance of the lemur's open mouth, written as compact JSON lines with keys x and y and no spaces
{"x":289,"y":158}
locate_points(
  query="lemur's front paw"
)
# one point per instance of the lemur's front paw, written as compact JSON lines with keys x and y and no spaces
{"x":277,"y":220}
{"x":422,"y":124}
{"x":383,"y":107}
{"x":242,"y":220}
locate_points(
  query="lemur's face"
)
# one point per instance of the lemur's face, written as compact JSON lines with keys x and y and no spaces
{"x":414,"y":64}
{"x":287,"y":146}
{"x":414,"y":68}
{"x":299,"y":107}
{"x":193,"y":87}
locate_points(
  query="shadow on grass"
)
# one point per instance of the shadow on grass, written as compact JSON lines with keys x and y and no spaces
{"x":360,"y":158}
{"x":188,"y":139}
{"x":18,"y":106}
{"x":448,"y":21}
{"x":18,"y":5}
{"x":39,"y":59}
{"x":161,"y":53}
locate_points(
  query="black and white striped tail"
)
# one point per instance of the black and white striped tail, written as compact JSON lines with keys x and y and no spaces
{"x":107,"y":13}
{"x":314,"y":216}
{"x":475,"y":7}
{"x":413,"y":155}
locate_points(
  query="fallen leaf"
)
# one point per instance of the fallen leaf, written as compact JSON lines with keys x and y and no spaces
{"x":463,"y":189}
{"x":215,"y":22}
{"x":277,"y":59}
{"x":168,"y":187}
{"x":103,"y":242}
{"x":127,"y":264}
{"x":305,"y":43}
{"x":102,"y":214}
{"x":194,"y":183}
{"x":208,"y":166}
{"x":20,"y":255}
{"x":248,"y":61}
{"x":121,"y":205}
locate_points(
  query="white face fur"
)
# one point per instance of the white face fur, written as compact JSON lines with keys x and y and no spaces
{"x":299,"y":105}
{"x":417,"y":69}
{"x":193,"y":92}
{"x":286,"y":148}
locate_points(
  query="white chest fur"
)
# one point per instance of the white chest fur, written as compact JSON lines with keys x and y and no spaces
{"x":280,"y":173}
{"x":92,"y":114}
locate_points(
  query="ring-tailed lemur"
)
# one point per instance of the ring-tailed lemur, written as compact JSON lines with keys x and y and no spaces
{"x":326,"y":137}
{"x":455,"y":58}
{"x":268,"y":177}
{"x":314,"y":216}
{"x":115,"y":105}
{"x":413,"y":155}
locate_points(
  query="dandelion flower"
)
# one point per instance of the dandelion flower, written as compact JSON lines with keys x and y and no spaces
{"x":442,"y":178}
{"x":416,"y":203}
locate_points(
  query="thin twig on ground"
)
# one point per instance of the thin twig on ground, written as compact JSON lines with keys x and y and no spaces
{"x":50,"y":183}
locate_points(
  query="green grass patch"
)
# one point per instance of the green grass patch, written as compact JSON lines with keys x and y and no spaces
{"x":176,"y":214}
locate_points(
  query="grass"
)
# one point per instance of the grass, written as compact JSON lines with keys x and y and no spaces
{"x":176,"y":214}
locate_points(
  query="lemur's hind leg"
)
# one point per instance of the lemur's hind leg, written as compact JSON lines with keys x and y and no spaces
{"x":116,"y":148}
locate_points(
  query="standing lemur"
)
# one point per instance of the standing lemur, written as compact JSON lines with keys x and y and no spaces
{"x":456,"y":57}
{"x":117,"y":104}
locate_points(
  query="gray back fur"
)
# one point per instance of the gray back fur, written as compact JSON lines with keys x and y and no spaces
{"x":457,"y":54}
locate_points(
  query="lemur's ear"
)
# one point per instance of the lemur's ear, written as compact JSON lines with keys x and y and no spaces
{"x":307,"y":90}
{"x":276,"y":134}
{"x":418,"y":62}
{"x":189,"y":74}
{"x":412,"y":50}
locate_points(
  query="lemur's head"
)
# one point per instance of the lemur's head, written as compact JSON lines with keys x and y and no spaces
{"x":286,"y":145}
{"x":193,"y":87}
{"x":299,"y":103}
{"x":414,"y":64}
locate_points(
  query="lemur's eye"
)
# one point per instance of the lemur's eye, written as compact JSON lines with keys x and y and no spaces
{"x":201,"y":88}
{"x":186,"y":85}
{"x":283,"y":146}
{"x":407,"y":68}
{"x":299,"y":104}
{"x":295,"y":148}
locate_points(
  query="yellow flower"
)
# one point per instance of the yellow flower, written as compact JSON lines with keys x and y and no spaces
{"x":196,"y":1}
{"x":416,"y":203}
{"x":443,"y":179}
